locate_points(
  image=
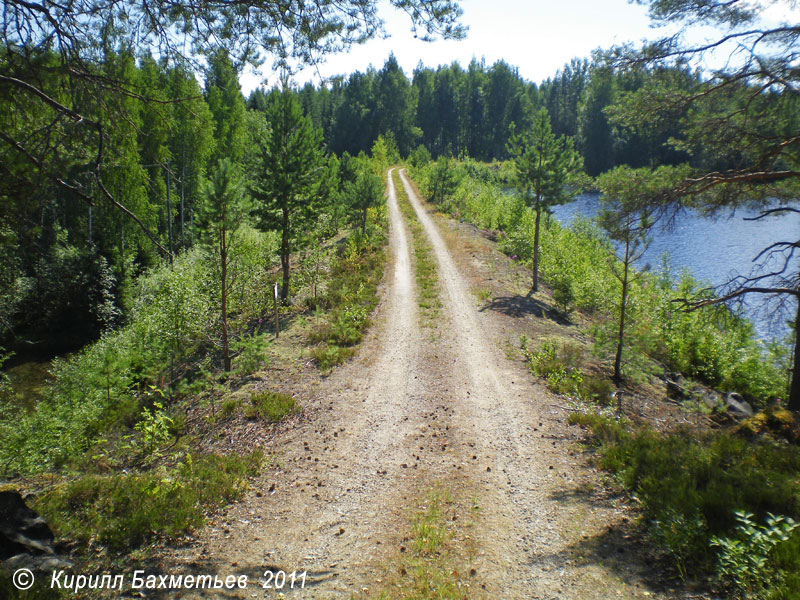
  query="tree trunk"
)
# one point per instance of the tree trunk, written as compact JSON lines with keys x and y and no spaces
{"x":364,"y":222}
{"x":285,"y":256}
{"x":223,"y":258}
{"x":621,"y":335}
{"x":794,"y":390}
{"x":536,"y":250}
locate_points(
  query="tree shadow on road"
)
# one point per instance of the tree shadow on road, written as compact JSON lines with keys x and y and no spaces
{"x":621,"y":547}
{"x":522,"y":306}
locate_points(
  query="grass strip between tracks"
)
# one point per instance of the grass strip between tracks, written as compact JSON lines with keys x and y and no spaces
{"x":427,"y":273}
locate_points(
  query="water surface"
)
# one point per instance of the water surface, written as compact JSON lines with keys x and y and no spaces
{"x":712,"y":250}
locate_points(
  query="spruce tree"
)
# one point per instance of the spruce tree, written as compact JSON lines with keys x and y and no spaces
{"x":287,"y":169}
{"x":219,"y":216}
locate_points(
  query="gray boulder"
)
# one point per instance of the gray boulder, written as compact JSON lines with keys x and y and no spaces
{"x":676,"y":386}
{"x":737,"y":407}
{"x":22,"y":530}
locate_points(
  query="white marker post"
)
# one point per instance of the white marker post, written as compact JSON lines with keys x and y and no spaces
{"x":275,"y":298}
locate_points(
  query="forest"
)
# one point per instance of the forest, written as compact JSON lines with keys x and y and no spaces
{"x":182,"y":129}
{"x":159,"y":229}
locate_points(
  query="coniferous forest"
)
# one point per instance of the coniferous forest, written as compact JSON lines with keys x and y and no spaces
{"x":190,"y":276}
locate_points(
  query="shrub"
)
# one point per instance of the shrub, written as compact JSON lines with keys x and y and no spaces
{"x":271,"y":406}
{"x":228,"y":407}
{"x":560,"y":364}
{"x":563,"y":294}
{"x":154,"y":426}
{"x":690,"y":486}
{"x":328,"y":357}
{"x":744,"y":561}
{"x":125,"y":510}
{"x":252,"y":353}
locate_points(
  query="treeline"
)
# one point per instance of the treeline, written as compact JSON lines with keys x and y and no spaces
{"x":181,"y":159}
{"x":455,"y":111}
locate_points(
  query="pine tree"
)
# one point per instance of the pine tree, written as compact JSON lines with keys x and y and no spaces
{"x":543,"y":165}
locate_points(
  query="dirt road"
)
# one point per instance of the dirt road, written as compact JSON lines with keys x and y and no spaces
{"x":412,"y":410}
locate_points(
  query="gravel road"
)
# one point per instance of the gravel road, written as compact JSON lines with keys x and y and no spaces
{"x":410,"y":411}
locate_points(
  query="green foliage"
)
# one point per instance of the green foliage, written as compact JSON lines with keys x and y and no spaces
{"x":155,"y":426}
{"x":432,"y":567}
{"x":442,"y":181}
{"x":694,"y":489}
{"x":252,"y":353}
{"x":287,"y":168}
{"x":351,"y":295}
{"x":6,"y":389}
{"x":560,"y":364}
{"x":429,"y":527}
{"x":363,"y":194}
{"x":712,"y":344}
{"x":229,"y":406}
{"x":126,"y":510}
{"x":271,"y":406}
{"x":219,"y":217}
{"x":329,"y":356}
{"x":104,"y":387}
{"x":419,"y":157}
{"x":543,"y":164}
{"x":40,"y":591}
{"x":682,"y":537}
{"x":69,"y":298}
{"x":227,"y":108}
{"x":744,"y":561}
{"x":563,"y":295}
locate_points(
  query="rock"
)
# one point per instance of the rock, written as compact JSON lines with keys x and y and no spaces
{"x":712,"y":399}
{"x":22,"y":531}
{"x":737,"y":407}
{"x":676,"y":386}
{"x":37,"y":564}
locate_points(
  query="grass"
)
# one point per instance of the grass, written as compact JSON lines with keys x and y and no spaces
{"x":560,"y":363}
{"x":432,"y":566}
{"x":484,"y":294}
{"x":271,"y":406}
{"x":123,"y":511}
{"x":690,"y":485}
{"x":425,"y":264}
{"x":351,"y":296}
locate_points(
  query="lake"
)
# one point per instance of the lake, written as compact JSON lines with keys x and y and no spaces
{"x":712,"y":251}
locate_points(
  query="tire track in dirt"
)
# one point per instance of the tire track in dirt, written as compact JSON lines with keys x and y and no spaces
{"x":530,"y":527}
{"x":345,"y":474}
{"x":412,"y":410}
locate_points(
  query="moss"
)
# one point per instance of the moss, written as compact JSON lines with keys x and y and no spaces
{"x":775,"y":422}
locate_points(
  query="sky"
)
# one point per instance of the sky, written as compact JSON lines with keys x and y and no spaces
{"x":537,"y":36}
